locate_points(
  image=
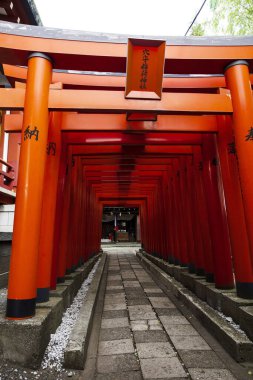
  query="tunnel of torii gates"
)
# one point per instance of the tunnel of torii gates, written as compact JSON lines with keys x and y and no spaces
{"x":185,"y":159}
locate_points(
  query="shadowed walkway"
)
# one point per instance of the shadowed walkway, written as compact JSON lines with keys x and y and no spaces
{"x":144,"y":335}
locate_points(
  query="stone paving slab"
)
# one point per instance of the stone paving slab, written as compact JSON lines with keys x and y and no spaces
{"x":114,"y":283}
{"x":120,"y":376}
{"x":141,"y":312}
{"x":145,"y":325}
{"x":141,"y":274}
{"x":167,"y":312}
{"x":157,"y":368}
{"x":174,"y":320}
{"x":114,"y":301}
{"x":202,"y":359}
{"x":211,"y":374}
{"x":113,"y":278}
{"x":157,"y":295}
{"x":131,"y":284}
{"x":146,"y":284}
{"x":114,"y":347}
{"x":133,"y":289}
{"x":130,"y":294}
{"x":161,"y":302}
{"x":114,"y":291}
{"x":114,"y":287}
{"x":138,"y":301}
{"x":115,"y":333}
{"x":139,"y":325}
{"x":123,"y":271}
{"x":115,"y":306}
{"x":115,"y":297}
{"x":114,"y":322}
{"x":181,"y":330}
{"x":113,"y":269}
{"x":150,"y":336}
{"x":191,"y":342}
{"x":155,"y":350}
{"x":144,"y":278}
{"x":115,"y":314}
{"x":117,"y":363}
{"x":153,"y":290}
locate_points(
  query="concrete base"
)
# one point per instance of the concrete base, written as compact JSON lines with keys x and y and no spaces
{"x":213,"y":296}
{"x":231,"y":304}
{"x":234,"y":341}
{"x":246,"y":320}
{"x":76,"y":350}
{"x":200,"y":288}
{"x":24,"y":342}
{"x":189,"y":280}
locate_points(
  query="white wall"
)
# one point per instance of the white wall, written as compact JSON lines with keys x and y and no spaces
{"x":6,"y":218}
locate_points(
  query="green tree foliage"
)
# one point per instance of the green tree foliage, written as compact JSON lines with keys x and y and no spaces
{"x":198,"y":30}
{"x":234,"y":17}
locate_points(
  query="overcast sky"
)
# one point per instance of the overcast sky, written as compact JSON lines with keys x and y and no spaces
{"x":141,"y":17}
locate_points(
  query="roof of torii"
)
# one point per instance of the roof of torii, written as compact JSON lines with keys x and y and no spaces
{"x":76,"y":50}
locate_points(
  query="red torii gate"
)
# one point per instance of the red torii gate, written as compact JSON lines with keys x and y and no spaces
{"x":177,"y":165}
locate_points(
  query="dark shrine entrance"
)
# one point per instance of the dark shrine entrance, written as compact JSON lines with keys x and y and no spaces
{"x":120,"y":224}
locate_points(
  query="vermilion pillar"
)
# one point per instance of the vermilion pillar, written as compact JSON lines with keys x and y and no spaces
{"x":25,"y":246}
{"x":191,"y":189}
{"x":179,"y":213}
{"x":223,"y":274}
{"x":173,"y":225}
{"x":201,"y":203}
{"x":49,"y":207}
{"x":186,"y":214}
{"x":235,"y":211}
{"x":64,"y":233}
{"x":58,"y":217}
{"x":238,"y":81}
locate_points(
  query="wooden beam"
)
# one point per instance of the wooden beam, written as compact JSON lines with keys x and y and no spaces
{"x":131,"y":140}
{"x":110,"y":122}
{"x":79,"y":150}
{"x":114,"y":102}
{"x":93,"y":80}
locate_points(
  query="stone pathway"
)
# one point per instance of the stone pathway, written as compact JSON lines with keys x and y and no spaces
{"x":143,"y":334}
